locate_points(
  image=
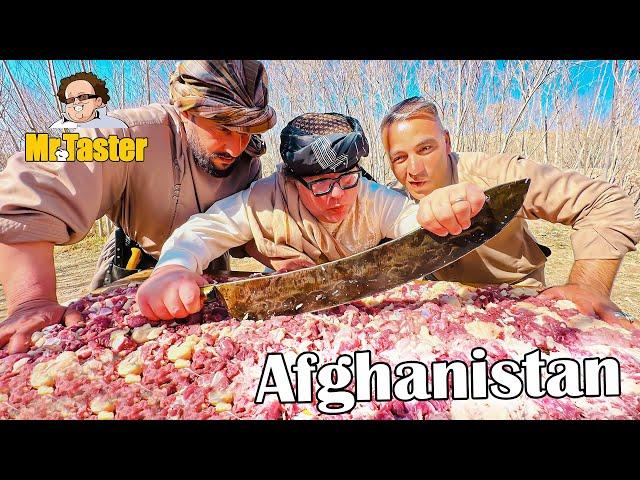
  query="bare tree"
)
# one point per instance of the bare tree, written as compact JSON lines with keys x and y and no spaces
{"x":531,"y":76}
{"x":572,"y":114}
{"x":20,"y":96}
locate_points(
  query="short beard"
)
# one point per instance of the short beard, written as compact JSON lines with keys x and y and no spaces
{"x":204,"y":159}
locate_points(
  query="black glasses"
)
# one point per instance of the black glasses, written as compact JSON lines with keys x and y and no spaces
{"x":323,"y":186}
{"x":82,"y":98}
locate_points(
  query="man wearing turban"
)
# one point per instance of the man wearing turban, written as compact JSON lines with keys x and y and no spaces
{"x":316,"y":207}
{"x":203,"y":146}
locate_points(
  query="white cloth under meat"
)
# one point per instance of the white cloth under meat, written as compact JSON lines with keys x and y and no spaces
{"x":379,"y":213}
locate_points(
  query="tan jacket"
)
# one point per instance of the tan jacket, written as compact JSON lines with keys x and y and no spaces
{"x":600,"y":214}
{"x":283,"y":228}
{"x":59,"y":201}
{"x":275,"y":226}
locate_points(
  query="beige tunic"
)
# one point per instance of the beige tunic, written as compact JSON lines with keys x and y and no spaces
{"x":600,"y":214}
{"x":58,"y":202}
{"x":271,"y":215}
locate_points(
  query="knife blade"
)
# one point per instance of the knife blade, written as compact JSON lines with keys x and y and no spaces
{"x":380,"y":268}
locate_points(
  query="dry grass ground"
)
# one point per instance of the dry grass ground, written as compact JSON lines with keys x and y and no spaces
{"x":75,"y":265}
{"x":626,"y":289}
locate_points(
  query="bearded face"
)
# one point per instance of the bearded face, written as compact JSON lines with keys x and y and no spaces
{"x":215,"y":149}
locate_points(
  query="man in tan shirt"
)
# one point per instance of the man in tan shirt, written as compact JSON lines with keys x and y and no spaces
{"x":450,"y":188}
{"x":203,"y":147}
{"x":315,"y":208}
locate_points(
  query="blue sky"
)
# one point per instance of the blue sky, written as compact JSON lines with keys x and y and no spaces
{"x":105,"y":69}
{"x":583,"y":76}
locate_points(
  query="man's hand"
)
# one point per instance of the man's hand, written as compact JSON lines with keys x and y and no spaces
{"x":449,"y":210}
{"x":292,"y":264}
{"x":30,"y":317}
{"x":28,"y":277}
{"x":170,"y":292}
{"x":589,"y":286}
{"x":589,"y":303}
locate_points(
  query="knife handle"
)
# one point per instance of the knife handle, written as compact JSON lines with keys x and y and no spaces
{"x":208,"y":292}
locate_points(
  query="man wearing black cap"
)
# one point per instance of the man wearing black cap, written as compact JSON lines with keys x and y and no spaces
{"x":316,"y":207}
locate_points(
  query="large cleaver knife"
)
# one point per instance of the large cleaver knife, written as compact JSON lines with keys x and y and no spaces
{"x":386,"y":266}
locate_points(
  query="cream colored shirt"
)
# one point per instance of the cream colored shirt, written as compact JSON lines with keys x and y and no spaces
{"x":599,"y":213}
{"x":379,"y":213}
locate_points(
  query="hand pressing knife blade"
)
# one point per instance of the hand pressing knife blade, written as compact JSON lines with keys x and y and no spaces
{"x":398,"y":261}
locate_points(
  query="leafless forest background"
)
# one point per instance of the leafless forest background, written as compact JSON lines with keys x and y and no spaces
{"x":576,"y":115}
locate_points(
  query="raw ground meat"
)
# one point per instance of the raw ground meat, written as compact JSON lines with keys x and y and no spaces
{"x":208,"y":366}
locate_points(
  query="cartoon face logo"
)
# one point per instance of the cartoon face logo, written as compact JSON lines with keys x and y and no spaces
{"x":84,"y":99}
{"x":81,"y":101}
{"x":81,"y":95}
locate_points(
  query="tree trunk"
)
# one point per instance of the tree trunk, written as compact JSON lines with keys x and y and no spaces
{"x":25,"y":111}
{"x":147,"y":65}
{"x":123,"y":89}
{"x":54,"y":84}
{"x":546,"y":141}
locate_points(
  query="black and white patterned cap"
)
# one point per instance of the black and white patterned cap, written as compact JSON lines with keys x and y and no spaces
{"x":321,"y":143}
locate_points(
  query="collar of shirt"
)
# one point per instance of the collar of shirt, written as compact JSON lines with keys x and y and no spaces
{"x":96,"y":116}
